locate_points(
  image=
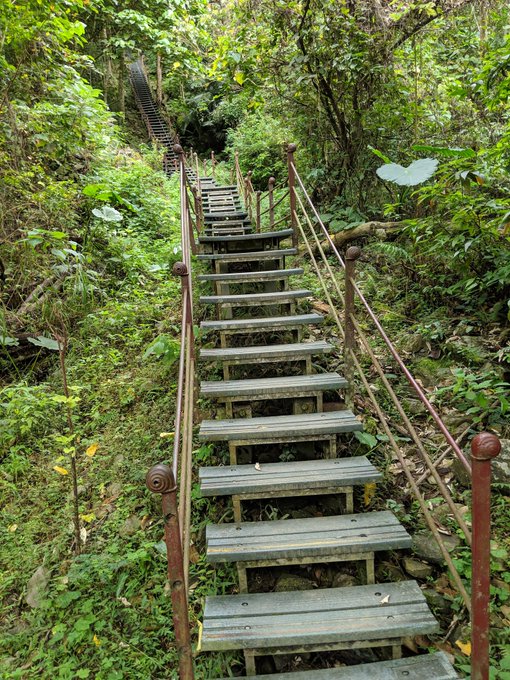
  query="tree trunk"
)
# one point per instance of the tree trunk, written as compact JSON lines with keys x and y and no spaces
{"x":362,"y":230}
{"x":159,"y":79}
{"x":122,"y":91}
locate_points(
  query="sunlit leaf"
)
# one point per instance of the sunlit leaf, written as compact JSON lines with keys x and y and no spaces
{"x":369,"y":493}
{"x":416,"y":173}
{"x":43,"y":341}
{"x":465,"y":647}
{"x":91,"y":450}
{"x":60,"y":470}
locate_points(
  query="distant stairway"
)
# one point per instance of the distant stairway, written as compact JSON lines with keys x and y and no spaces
{"x":267,"y":362}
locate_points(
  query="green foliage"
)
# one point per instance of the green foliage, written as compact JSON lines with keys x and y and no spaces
{"x":261,"y":142}
{"x":483,"y":397}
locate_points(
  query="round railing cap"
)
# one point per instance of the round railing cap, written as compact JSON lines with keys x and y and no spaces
{"x":178,"y":148}
{"x":272,"y":180}
{"x":485,"y":446}
{"x":291,"y":148}
{"x":160,"y":479}
{"x":179,"y":269}
{"x":352,"y":253}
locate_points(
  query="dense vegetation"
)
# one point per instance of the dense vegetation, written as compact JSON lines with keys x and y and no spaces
{"x":89,"y":233}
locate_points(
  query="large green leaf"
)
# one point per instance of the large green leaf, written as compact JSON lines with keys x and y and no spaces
{"x":43,"y":341}
{"x":446,"y":152}
{"x":418,"y":172}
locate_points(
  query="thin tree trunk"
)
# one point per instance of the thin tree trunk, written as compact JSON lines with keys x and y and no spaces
{"x":159,"y":79}
{"x":122,"y":92}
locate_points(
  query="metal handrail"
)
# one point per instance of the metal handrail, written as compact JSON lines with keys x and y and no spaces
{"x":484,"y":447}
{"x":173,"y":481}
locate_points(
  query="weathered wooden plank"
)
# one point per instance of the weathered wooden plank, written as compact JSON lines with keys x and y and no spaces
{"x":330,"y":615}
{"x":311,"y":475}
{"x":344,"y":535}
{"x":262,"y":323}
{"x":302,"y":425}
{"x":246,"y":277}
{"x":425,"y":667}
{"x":261,"y":236}
{"x":290,"y":352}
{"x":266,"y":387}
{"x":256,"y":255}
{"x":255,"y":299}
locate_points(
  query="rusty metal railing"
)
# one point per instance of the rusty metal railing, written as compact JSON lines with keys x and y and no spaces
{"x":342,"y":293}
{"x":173,"y":481}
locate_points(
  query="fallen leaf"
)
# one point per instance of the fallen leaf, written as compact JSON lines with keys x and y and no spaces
{"x":369,"y":493}
{"x":465,"y":647}
{"x":89,"y":517}
{"x":60,"y":470}
{"x":385,"y":599}
{"x":91,"y":450}
{"x":83,"y":535}
{"x":96,"y":640}
{"x":13,"y":528}
{"x":257,"y":467}
{"x":166,"y":434}
{"x":124,"y":601}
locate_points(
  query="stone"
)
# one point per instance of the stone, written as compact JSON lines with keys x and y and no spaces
{"x":343,"y":580}
{"x":113,"y":489}
{"x":426,"y":547}
{"x":416,"y":568}
{"x":437,"y":602}
{"x":130,"y":526}
{"x":36,"y":587}
{"x":414,"y":343}
{"x":414,"y":406}
{"x":289,"y":582}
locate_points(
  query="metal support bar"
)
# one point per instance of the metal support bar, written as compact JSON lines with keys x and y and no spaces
{"x":484,"y":447}
{"x":257,"y":210}
{"x":270,"y":189}
{"x":292,"y":190}
{"x":160,"y":479}
{"x":351,"y":256}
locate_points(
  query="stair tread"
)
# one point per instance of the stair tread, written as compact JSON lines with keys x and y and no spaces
{"x":301,"y":425}
{"x":256,"y":236}
{"x":249,"y":256}
{"x":255,"y":298}
{"x":261,"y":322}
{"x":268,"y":386}
{"x":297,"y":349}
{"x":309,"y":537}
{"x":315,"y":617}
{"x":239,"y":277}
{"x":424,"y":667}
{"x":323,"y":473}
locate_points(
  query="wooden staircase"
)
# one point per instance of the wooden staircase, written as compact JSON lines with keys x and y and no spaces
{"x":260,"y":344}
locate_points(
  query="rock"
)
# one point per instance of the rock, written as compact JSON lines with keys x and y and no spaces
{"x":437,"y":601}
{"x":414,"y":343}
{"x":426,"y":547}
{"x":130,"y":526}
{"x":113,"y":489}
{"x":289,"y":582}
{"x":36,"y":587}
{"x":431,"y":371}
{"x":500,"y":466}
{"x":342,"y":580}
{"x":417,"y":569}
{"x":414,"y":406}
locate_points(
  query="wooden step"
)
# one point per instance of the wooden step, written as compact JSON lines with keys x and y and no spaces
{"x":251,"y":277}
{"x":322,"y":476}
{"x":212,"y":217}
{"x":263,"y":324}
{"x":256,"y":299}
{"x":254,"y":354}
{"x":304,"y":425}
{"x":251,"y":256}
{"x":223,"y":187}
{"x":272,"y":388}
{"x":425,"y":667}
{"x":345,"y":536}
{"x":330,"y":618}
{"x":262,"y":236}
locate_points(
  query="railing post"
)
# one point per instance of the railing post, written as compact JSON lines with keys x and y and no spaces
{"x":484,"y":447}
{"x":213,"y":163}
{"x":292,"y":191}
{"x":160,"y":479}
{"x":351,"y":256}
{"x":257,"y":211}
{"x":247,"y":189}
{"x":270,"y":188}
